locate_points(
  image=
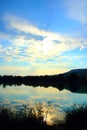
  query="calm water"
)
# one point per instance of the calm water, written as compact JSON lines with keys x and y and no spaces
{"x":18,"y":97}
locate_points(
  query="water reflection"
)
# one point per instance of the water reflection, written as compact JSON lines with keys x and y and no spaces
{"x":51,"y":99}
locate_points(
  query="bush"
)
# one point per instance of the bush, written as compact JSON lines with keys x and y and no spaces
{"x":76,"y":117}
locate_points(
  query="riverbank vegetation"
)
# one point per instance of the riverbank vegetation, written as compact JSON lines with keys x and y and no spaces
{"x":76,"y":118}
{"x":71,"y":81}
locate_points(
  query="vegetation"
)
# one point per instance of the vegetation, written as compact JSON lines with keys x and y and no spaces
{"x":76,"y":118}
{"x":11,"y":121}
{"x":73,"y":80}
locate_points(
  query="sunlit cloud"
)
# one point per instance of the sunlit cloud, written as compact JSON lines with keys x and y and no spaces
{"x":20,"y":24}
{"x":33,"y":69}
{"x":51,"y":42}
{"x":42,"y":50}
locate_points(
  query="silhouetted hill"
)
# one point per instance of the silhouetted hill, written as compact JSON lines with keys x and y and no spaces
{"x":74,"y":80}
{"x":79,"y":72}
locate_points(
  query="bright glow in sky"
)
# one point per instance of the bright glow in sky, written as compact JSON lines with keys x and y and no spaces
{"x":42,"y":36}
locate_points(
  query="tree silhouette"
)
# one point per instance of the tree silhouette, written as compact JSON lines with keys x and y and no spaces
{"x":73,"y":82}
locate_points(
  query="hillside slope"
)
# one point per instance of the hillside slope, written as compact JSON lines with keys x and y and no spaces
{"x":79,"y":72}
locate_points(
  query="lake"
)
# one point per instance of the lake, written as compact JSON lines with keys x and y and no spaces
{"x":51,"y":100}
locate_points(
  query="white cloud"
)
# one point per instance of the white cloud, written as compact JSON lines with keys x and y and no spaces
{"x":77,"y":10}
{"x":52,"y":44}
{"x":37,"y":52}
{"x":23,"y":26}
{"x":45,"y":49}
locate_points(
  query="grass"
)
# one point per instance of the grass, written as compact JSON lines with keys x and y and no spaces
{"x":76,"y":118}
{"x":11,"y":121}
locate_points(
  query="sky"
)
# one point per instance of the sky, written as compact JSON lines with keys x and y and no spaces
{"x":42,"y":37}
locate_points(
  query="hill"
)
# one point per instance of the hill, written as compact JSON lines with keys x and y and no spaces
{"x":79,"y":72}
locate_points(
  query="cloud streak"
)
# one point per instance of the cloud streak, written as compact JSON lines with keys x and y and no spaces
{"x":37,"y":47}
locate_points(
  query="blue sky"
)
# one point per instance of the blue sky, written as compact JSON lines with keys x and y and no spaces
{"x":40,"y":37}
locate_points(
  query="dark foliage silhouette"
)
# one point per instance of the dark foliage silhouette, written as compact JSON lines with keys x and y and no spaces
{"x":76,"y":117}
{"x":72,"y":81}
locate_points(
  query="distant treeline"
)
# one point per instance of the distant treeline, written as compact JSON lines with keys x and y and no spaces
{"x":72,"y":80}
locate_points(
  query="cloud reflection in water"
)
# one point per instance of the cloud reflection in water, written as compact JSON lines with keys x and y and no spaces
{"x":51,"y":99}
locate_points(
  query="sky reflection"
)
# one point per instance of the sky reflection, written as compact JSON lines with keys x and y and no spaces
{"x":16,"y":97}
